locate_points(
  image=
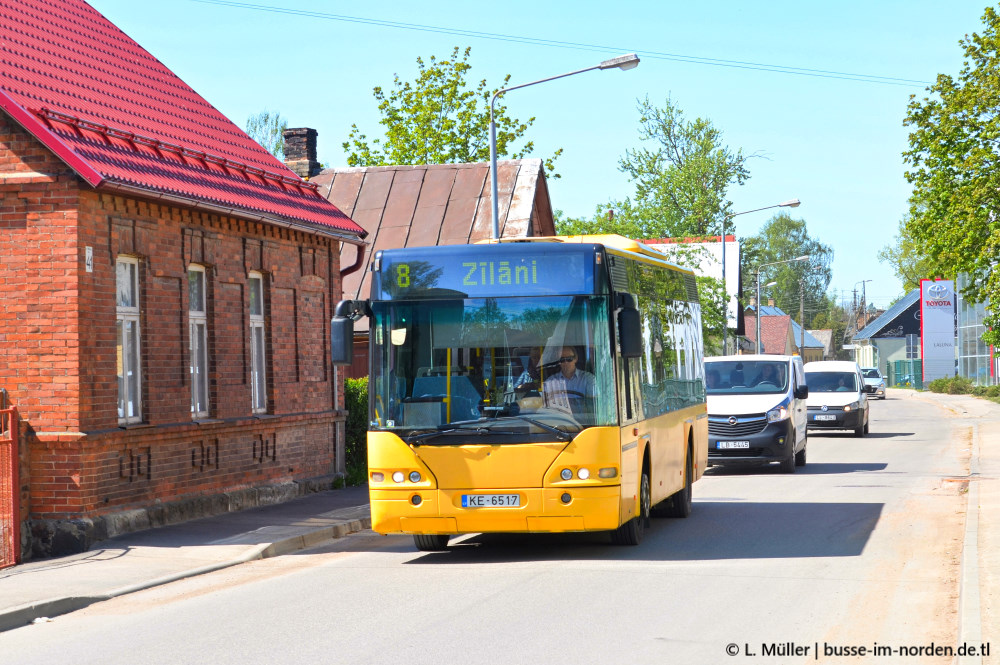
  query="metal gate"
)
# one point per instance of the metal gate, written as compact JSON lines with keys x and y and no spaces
{"x":10,"y":492}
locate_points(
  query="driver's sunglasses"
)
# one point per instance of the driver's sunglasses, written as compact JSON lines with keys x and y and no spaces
{"x":567,"y":359}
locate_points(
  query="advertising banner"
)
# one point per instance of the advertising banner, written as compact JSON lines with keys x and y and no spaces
{"x":937,"y":328}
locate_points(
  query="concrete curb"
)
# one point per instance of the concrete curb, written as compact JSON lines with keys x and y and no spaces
{"x":17,"y":617}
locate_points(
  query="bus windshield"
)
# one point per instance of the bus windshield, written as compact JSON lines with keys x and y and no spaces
{"x":508,"y":369}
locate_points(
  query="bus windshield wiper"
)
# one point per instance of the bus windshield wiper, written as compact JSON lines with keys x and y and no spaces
{"x":561,"y":433}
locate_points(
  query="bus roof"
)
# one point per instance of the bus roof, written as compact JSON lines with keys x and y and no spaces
{"x":608,"y":240}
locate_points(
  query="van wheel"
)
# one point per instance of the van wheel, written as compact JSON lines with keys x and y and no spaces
{"x":788,"y":464}
{"x":431,"y":543}
{"x":800,"y":457}
{"x":631,"y":532}
{"x":861,"y":430}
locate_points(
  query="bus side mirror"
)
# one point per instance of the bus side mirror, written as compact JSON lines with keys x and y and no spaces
{"x":629,"y":328}
{"x":342,"y":332}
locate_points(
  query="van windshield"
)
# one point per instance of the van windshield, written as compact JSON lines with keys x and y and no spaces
{"x":742,"y":377}
{"x":832,"y":382}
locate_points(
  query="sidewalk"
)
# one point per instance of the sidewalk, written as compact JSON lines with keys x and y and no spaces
{"x":135,"y":561}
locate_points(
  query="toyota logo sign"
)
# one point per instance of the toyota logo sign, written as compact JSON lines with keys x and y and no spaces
{"x":937,"y":292}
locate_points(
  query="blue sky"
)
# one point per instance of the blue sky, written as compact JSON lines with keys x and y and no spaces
{"x":833,"y":143}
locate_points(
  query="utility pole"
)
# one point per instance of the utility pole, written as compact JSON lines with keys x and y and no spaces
{"x":802,"y":321}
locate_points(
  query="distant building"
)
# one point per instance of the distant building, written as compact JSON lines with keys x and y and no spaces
{"x":894,"y":336}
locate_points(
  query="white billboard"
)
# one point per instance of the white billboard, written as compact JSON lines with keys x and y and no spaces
{"x":937,"y":328}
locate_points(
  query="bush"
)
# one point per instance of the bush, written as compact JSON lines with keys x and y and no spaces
{"x":939,"y":385}
{"x":960,"y":386}
{"x":356,"y":435}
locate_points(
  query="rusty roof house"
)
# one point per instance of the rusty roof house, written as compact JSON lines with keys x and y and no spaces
{"x":168,"y":287}
{"x":430,"y":204}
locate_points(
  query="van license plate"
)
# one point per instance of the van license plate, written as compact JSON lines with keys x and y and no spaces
{"x":825,"y":417}
{"x":491,"y":500}
{"x":727,"y":445}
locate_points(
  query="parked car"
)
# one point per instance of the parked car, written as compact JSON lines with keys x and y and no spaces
{"x":756,"y":410}
{"x":837,"y":396}
{"x":875,"y":381}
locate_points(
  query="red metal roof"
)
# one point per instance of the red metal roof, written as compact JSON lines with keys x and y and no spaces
{"x":123,"y":121}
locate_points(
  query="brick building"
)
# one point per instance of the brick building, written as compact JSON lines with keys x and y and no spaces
{"x":167,"y":291}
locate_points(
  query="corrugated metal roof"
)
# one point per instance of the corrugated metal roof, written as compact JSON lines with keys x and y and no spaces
{"x":123,"y":121}
{"x":436,"y":204}
{"x":887,"y":317}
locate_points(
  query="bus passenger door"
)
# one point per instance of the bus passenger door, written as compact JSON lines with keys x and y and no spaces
{"x":633,"y":437}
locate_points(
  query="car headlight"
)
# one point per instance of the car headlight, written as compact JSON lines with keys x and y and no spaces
{"x":777,"y":414}
{"x":851,"y":407}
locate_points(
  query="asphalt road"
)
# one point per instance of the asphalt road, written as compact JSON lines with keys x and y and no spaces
{"x":860,"y":548}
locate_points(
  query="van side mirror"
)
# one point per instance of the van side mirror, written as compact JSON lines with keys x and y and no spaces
{"x":629,"y":327}
{"x":801,"y":392}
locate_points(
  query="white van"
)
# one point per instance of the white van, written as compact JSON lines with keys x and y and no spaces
{"x":756,"y":410}
{"x":837,"y":396}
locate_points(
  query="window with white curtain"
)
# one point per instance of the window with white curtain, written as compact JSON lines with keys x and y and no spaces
{"x":258,"y":357}
{"x":127,"y":344}
{"x":198,"y":340}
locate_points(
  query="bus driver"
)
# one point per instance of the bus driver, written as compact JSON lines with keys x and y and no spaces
{"x":570,"y":385}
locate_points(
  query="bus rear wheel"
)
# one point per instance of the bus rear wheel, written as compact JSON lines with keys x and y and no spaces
{"x":632,"y":531}
{"x":431,"y":543}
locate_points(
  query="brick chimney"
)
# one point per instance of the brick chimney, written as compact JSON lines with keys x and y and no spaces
{"x":300,"y":151}
{"x":770,"y":302}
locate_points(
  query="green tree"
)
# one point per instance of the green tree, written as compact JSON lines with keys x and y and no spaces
{"x":782,"y":239}
{"x":438,"y":119}
{"x":831,"y":316}
{"x":906,"y":257}
{"x":954,"y":168}
{"x":682,"y":173}
{"x":268,"y":129}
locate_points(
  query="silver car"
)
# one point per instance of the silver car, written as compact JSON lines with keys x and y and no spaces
{"x":874,"y":382}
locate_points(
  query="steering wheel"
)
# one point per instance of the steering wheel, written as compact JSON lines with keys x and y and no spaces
{"x":767,"y":382}
{"x":568,"y":393}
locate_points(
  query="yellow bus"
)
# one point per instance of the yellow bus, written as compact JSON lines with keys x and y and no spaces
{"x":530,"y":386}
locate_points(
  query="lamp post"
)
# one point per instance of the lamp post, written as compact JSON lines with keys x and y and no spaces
{"x":805,"y":257}
{"x":791,"y":203}
{"x":622,"y":62}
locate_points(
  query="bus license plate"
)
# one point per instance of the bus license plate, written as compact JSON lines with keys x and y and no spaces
{"x":491,"y":500}
{"x":724,"y":445}
{"x":825,"y":417}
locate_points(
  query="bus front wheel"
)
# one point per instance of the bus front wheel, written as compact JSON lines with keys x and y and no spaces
{"x":431,"y":543}
{"x":631,"y":532}
{"x":678,"y":504}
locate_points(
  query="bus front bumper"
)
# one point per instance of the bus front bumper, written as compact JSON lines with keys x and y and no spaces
{"x":540,"y":510}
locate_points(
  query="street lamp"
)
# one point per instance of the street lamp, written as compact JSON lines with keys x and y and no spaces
{"x":622,"y":62}
{"x":759,"y":268}
{"x":792,"y":203}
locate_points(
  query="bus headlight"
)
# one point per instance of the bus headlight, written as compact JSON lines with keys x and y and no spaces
{"x":583,"y":474}
{"x":566,"y":474}
{"x":608,"y":472}
{"x":397,"y":476}
{"x":377,"y":476}
{"x":414,"y":476}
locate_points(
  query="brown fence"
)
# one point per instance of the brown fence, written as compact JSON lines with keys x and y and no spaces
{"x":10,"y":523}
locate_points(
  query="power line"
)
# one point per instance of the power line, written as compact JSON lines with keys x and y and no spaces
{"x":520,"y":39}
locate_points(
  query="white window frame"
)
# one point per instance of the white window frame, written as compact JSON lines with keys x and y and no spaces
{"x":127,"y":315}
{"x":198,"y":342}
{"x":258,"y":343}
